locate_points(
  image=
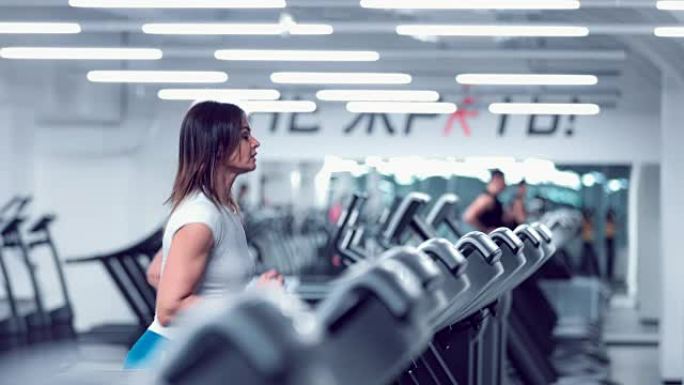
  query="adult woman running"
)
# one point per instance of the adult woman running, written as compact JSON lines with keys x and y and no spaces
{"x":204,"y":249}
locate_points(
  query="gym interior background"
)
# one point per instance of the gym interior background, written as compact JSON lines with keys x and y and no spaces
{"x":90,"y":148}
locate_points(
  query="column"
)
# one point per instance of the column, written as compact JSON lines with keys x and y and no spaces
{"x":672,"y":210}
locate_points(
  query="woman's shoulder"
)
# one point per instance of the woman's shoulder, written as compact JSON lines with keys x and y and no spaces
{"x":194,"y":206}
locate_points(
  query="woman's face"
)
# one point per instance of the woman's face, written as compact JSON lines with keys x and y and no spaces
{"x":244,"y":158}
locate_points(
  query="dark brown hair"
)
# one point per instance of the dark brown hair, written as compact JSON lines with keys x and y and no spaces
{"x":209,"y":133}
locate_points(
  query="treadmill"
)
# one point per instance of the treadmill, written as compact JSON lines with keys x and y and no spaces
{"x":62,"y":317}
{"x":31,"y":311}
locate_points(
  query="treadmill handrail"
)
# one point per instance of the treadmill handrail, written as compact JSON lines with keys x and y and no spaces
{"x":508,"y":237}
{"x":443,"y":203}
{"x":446,"y":253}
{"x":151,"y":242}
{"x":482,"y":243}
{"x":390,"y":231}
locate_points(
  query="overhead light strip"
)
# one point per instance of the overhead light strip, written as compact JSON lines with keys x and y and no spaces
{"x":340,"y":78}
{"x":473,"y":4}
{"x":39,"y":28}
{"x":670,"y":5}
{"x":294,"y":55}
{"x":178,"y":3}
{"x":401,"y":108}
{"x":544,"y":109}
{"x":157,"y":76}
{"x":492,"y":30}
{"x":378,"y":95}
{"x":217,"y":94}
{"x":527,"y":79}
{"x":284,"y":106}
{"x":669,"y":31}
{"x":236,"y":29}
{"x":80,"y":53}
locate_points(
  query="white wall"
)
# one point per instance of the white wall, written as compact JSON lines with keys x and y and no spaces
{"x":672,"y":210}
{"x":632,"y":137}
{"x":644,"y":238}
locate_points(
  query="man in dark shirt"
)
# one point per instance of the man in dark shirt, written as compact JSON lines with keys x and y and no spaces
{"x":486,"y":213}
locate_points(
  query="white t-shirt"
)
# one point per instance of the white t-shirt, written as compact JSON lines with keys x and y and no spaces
{"x":230,"y":266}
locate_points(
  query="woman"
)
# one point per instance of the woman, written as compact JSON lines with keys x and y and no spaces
{"x":204,"y":250}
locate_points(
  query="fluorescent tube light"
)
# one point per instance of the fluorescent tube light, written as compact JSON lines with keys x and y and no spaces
{"x":378,"y":95}
{"x":65,"y":53}
{"x":178,"y":3}
{"x":157,"y":76}
{"x":217,"y":94}
{"x":670,"y":5}
{"x":340,"y":78}
{"x":310,"y":29}
{"x":401,"y":108}
{"x":235,"y":29}
{"x":471,"y":4}
{"x":527,"y":79}
{"x":544,"y":108}
{"x":492,"y":30}
{"x":669,"y":31}
{"x":39,"y":28}
{"x":294,"y":55}
{"x":302,"y":106}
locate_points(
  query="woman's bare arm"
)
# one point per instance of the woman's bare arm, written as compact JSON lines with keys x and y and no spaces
{"x":184,"y":267}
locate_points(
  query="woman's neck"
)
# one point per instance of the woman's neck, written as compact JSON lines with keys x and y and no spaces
{"x":225,"y":184}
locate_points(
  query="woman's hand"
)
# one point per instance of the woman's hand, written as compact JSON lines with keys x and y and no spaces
{"x":154,"y":270}
{"x":271,"y":277}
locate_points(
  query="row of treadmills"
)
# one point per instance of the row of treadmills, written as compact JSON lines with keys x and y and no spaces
{"x":466,"y":309}
{"x":28,"y":245}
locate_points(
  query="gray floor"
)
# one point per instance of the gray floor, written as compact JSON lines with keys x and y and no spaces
{"x":634,"y":365}
{"x":63,"y":362}
{"x":633,"y":347}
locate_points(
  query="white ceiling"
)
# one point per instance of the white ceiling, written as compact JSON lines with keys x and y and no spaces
{"x":621,"y":43}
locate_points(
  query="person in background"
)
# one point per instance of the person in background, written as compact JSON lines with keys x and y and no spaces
{"x":589,"y":262}
{"x":517,"y":214}
{"x":204,"y":252}
{"x":609,"y":230}
{"x":486,"y":212}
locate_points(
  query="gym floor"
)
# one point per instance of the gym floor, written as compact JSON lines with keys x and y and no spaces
{"x":633,"y":347}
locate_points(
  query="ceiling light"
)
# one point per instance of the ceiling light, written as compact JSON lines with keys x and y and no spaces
{"x":284,"y":106}
{"x":401,"y":108}
{"x":669,"y":31}
{"x":492,"y":30}
{"x":64,"y":53}
{"x":217,"y":94}
{"x":340,"y":78}
{"x":670,"y":5}
{"x":527,"y":79}
{"x":471,"y":4}
{"x":378,"y":95}
{"x":294,"y":55}
{"x":235,"y":29}
{"x":310,"y":29}
{"x":157,"y":76}
{"x":39,"y":28}
{"x":178,"y":3}
{"x":544,"y":108}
